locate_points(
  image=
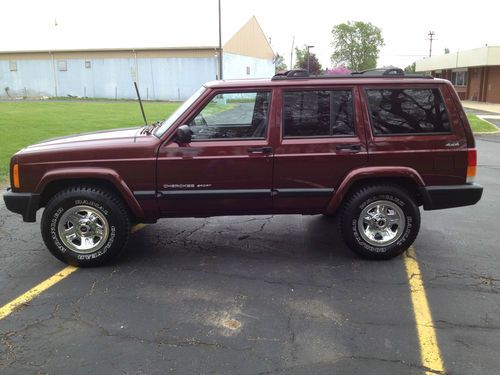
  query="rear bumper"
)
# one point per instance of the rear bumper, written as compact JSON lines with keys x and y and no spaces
{"x":447,"y":196}
{"x":25,"y":204}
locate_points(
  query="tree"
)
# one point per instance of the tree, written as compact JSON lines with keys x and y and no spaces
{"x":411,"y":68}
{"x":279,"y":63}
{"x":301,"y":61}
{"x":357,"y":45}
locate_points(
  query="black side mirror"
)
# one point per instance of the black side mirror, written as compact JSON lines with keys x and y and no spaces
{"x":183,"y":134}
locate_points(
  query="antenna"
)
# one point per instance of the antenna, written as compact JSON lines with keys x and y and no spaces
{"x":431,"y":38}
{"x":134,"y":78}
{"x":291,"y":53}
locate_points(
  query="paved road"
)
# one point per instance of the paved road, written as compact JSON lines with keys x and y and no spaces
{"x":258,"y":295}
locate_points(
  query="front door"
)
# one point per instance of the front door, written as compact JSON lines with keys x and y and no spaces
{"x":227,"y":168}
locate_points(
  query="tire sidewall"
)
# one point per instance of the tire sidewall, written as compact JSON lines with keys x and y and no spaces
{"x":107,"y":207}
{"x":352,"y":213}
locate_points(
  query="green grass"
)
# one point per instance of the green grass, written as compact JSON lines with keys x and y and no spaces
{"x":24,"y":123}
{"x":479,"y":125}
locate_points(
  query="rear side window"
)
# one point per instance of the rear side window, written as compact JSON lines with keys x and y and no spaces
{"x":407,"y":111}
{"x":327,"y":113}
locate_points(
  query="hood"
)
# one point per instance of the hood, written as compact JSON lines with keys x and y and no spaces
{"x":97,"y":138}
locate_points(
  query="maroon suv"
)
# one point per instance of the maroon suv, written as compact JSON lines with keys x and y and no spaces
{"x":372,"y":147}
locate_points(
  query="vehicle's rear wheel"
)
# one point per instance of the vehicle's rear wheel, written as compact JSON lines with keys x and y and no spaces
{"x":379,"y":221}
{"x":85,"y":226}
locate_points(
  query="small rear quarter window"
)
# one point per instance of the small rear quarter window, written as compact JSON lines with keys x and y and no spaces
{"x":407,"y":111}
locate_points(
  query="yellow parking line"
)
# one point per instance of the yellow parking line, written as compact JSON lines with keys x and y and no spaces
{"x":137,"y":227}
{"x":429,"y":350}
{"x":25,"y":298}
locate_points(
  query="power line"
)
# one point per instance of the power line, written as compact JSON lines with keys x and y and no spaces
{"x":431,"y":38}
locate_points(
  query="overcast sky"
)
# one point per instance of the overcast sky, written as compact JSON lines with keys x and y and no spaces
{"x":31,"y":24}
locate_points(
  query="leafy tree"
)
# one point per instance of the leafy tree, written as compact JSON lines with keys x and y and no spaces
{"x":357,"y":45}
{"x":411,"y":68}
{"x":301,"y":60}
{"x":279,"y":63}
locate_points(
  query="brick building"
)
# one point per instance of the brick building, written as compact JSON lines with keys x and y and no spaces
{"x":474,"y":73}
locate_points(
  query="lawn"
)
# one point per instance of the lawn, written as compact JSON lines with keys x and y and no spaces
{"x":24,"y":123}
{"x":479,"y":125}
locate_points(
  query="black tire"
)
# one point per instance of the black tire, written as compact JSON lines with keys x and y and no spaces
{"x":387,"y":210}
{"x":103,"y":226}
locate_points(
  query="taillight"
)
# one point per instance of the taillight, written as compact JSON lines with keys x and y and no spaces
{"x":471,"y":164}
{"x":15,"y":176}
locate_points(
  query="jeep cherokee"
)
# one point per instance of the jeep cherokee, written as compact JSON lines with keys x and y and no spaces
{"x":372,"y":147}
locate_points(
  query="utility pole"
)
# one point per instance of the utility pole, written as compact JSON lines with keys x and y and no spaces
{"x":291,"y":53}
{"x":220,"y":45}
{"x":308,"y":58}
{"x":431,"y":38}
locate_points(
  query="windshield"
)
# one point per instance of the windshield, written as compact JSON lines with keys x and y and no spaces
{"x":178,"y":112}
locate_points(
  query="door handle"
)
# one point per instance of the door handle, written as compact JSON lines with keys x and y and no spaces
{"x":260,"y":150}
{"x":350,"y":148}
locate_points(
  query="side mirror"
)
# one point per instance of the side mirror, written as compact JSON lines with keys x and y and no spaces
{"x":183,"y":134}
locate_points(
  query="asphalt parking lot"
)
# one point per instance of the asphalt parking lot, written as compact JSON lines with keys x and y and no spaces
{"x":260,"y":295}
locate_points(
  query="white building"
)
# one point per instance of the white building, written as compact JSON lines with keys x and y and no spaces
{"x":171,"y":72}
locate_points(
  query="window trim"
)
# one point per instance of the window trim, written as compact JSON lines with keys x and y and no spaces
{"x":370,"y":119}
{"x":326,"y":88}
{"x":235,"y":91}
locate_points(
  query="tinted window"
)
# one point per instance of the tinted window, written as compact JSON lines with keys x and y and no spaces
{"x":407,"y":111}
{"x":233,"y":115}
{"x":318,"y":113}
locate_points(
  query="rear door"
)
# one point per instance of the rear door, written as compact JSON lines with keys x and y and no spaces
{"x":321,"y":139}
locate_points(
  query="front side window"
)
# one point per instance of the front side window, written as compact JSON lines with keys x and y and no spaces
{"x":407,"y":111}
{"x":326,"y":113}
{"x":232,"y":116}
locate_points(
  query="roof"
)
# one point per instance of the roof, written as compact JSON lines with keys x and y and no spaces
{"x":484,"y":56}
{"x":322,"y":81}
{"x":183,"y":30}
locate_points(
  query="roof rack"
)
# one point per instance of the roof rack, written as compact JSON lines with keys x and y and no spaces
{"x":372,"y":73}
{"x":381,"y":71}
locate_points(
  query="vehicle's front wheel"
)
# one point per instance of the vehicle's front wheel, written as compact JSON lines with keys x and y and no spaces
{"x":379,"y":221}
{"x":85,"y":226}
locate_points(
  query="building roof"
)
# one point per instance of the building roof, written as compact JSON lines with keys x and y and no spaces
{"x":248,"y":40}
{"x":484,"y":56}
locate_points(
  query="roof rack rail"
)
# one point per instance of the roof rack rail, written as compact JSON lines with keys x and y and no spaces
{"x":370,"y":73}
{"x":294,"y":73}
{"x":381,"y":71}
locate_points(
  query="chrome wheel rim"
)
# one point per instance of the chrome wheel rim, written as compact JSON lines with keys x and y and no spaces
{"x":83,"y":229}
{"x":381,"y":223}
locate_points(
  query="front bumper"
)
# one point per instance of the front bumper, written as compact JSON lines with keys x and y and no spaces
{"x":447,"y":196}
{"x":25,"y":204}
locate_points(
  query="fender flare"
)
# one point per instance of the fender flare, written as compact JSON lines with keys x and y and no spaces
{"x":371,"y":173}
{"x":106,"y":174}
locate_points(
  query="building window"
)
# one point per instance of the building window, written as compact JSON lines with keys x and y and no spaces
{"x":459,"y":78}
{"x":88,"y":64}
{"x":13,"y":66}
{"x":407,"y":111}
{"x":62,"y":65}
{"x":318,"y":113}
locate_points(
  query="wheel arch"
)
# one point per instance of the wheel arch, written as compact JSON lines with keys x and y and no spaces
{"x":405,"y":177}
{"x":56,"y":180}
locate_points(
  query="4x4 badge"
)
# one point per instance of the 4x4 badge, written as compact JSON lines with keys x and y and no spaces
{"x":452,"y":144}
